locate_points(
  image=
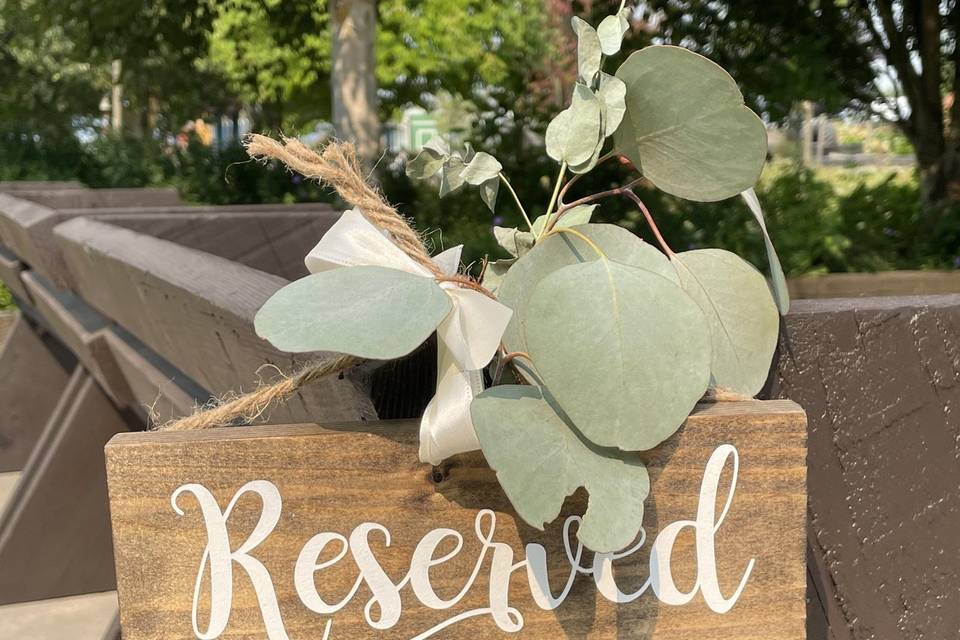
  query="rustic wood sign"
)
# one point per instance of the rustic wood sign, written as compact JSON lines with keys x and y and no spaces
{"x":338,"y":532}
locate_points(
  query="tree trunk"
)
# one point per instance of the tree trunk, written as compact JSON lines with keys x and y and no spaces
{"x":938,"y":162}
{"x":353,"y":78}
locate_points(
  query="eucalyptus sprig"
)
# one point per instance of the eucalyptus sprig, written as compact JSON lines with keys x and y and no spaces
{"x":616,"y":340}
{"x":609,"y":341}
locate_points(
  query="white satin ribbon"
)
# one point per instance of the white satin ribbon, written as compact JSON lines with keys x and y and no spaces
{"x":468,"y":337}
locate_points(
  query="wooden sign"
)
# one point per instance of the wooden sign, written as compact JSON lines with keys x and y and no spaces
{"x":337,"y":532}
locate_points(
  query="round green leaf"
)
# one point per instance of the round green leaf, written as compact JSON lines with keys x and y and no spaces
{"x":740,"y":312}
{"x":686,"y":127}
{"x":482,"y":167}
{"x":370,"y":312}
{"x":624,"y":350}
{"x":573,"y":136}
{"x":589,"y":53}
{"x":540,"y":460}
{"x":560,"y":250}
{"x":612,"y":94}
{"x":611,"y":32}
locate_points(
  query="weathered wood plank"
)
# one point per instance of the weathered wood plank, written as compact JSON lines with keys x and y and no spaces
{"x":159,"y":392}
{"x":880,"y":381}
{"x":55,"y":532}
{"x":195,"y":310}
{"x":13,"y":186}
{"x":84,"y":198}
{"x":273,"y":239}
{"x":336,"y":478}
{"x":33,"y":380}
{"x":82,"y":329}
{"x":884,"y":283}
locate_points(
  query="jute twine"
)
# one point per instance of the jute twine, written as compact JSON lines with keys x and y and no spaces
{"x":338,"y":166}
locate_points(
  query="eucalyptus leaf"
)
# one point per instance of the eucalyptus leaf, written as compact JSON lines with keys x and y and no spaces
{"x":576,"y":216}
{"x":686,"y":127}
{"x":611,"y":32}
{"x":740,"y":312}
{"x":573,"y":136}
{"x":451,"y":178}
{"x":495,"y":272}
{"x":624,"y":350}
{"x":425,"y":165}
{"x":590,"y":163}
{"x":437,"y":145}
{"x":559,"y":250}
{"x":612,"y":94}
{"x":540,"y":460}
{"x":482,"y":168}
{"x":589,"y":52}
{"x":780,"y":292}
{"x":514,"y":241}
{"x":366,"y":311}
{"x":489,"y":191}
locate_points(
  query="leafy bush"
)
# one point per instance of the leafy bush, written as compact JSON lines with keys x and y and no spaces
{"x":6,"y":300}
{"x":824,"y":220}
{"x":114,"y":160}
{"x":208,"y":175}
{"x":36,"y":156}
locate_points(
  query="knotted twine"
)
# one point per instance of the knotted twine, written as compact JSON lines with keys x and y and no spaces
{"x":338,"y":166}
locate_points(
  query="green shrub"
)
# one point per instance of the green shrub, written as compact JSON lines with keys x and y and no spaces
{"x":205,"y":174}
{"x":6,"y":300}
{"x":114,"y":160}
{"x":825,"y":220}
{"x":39,"y":156}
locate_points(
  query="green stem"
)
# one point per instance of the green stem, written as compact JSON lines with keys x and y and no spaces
{"x":553,"y":198}
{"x":516,"y":199}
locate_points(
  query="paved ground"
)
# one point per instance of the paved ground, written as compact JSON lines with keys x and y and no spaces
{"x":77,"y":618}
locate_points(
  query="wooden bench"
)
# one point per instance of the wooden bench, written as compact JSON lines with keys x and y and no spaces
{"x":158,"y":326}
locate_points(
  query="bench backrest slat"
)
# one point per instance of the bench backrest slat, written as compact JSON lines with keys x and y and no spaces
{"x":195,"y":310}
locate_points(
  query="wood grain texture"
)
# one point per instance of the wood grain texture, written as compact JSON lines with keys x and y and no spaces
{"x":196,"y":310}
{"x":886,"y":283}
{"x":27,"y":221}
{"x":880,"y":381}
{"x":33,"y":380}
{"x":55,"y":531}
{"x":335,"y":478}
{"x":158,"y":392}
{"x":270,"y":238}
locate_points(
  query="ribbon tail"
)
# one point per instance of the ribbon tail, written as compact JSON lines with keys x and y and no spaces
{"x":446,"y":427}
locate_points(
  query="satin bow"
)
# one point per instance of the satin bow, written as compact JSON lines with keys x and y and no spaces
{"x":468,"y":337}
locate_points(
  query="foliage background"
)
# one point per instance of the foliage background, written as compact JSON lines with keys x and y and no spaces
{"x":507,"y":60}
